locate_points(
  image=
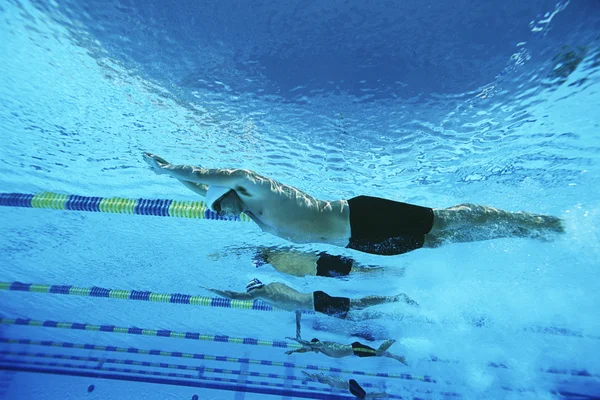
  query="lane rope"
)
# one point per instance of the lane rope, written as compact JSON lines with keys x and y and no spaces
{"x":197,"y":336}
{"x":119,"y":205}
{"x":146,"y":376}
{"x":175,"y":298}
{"x":200,"y":369}
{"x":149,"y":332}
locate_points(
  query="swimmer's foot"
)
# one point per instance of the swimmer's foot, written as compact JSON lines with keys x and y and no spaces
{"x":539,"y":227}
{"x":155,"y":162}
{"x":545,"y":222}
{"x":402,"y":359}
{"x":542,"y":236}
{"x":405,"y":299}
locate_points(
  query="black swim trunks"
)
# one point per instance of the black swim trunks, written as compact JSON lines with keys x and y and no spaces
{"x":386,"y":227}
{"x":332,"y":266}
{"x":362,"y":350}
{"x":334,"y":306}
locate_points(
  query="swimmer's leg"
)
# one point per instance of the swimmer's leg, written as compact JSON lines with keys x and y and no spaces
{"x":385,"y":345}
{"x":359,"y":304}
{"x":402,"y":359}
{"x":365,"y":315}
{"x":382,"y":352}
{"x":472,"y":222}
{"x":365,"y":269}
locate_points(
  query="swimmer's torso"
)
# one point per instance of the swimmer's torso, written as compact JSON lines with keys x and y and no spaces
{"x":294,"y":215}
{"x":336,"y":350}
{"x":293,"y":262}
{"x":286,"y":298}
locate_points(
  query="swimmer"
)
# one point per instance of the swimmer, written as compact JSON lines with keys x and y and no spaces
{"x":284,"y":297}
{"x":340,"y":383}
{"x":338,"y":350}
{"x":368,"y":224}
{"x":300,"y":263}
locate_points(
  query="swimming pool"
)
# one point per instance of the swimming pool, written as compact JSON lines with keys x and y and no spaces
{"x":431,"y":103}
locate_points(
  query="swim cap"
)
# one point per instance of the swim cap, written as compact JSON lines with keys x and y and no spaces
{"x":253,"y":285}
{"x":214,"y":194}
{"x":314,"y":340}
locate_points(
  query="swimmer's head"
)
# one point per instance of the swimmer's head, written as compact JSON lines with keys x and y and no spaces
{"x":253,"y":285}
{"x":315,"y":340}
{"x":229,"y":205}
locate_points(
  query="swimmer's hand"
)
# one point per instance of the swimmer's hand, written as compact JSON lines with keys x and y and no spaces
{"x":315,"y":377}
{"x":156,"y":163}
{"x":300,"y":350}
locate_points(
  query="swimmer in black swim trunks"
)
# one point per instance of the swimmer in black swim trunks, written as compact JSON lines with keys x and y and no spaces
{"x":284,"y":297}
{"x":368,"y":224}
{"x":299,"y":263}
{"x":338,"y":350}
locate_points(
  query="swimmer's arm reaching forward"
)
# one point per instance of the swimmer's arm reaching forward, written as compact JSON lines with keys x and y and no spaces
{"x":306,"y":346}
{"x":195,"y":187}
{"x":157,"y":163}
{"x":300,"y":350}
{"x":333,"y":381}
{"x":238,"y":179}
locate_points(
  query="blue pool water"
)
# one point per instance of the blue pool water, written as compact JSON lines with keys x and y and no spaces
{"x":429,"y":102}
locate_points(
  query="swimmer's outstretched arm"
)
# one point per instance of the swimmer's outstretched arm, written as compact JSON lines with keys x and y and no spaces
{"x":190,"y":173}
{"x":195,"y":187}
{"x":243,"y":181}
{"x":300,"y":350}
{"x":155,"y":163}
{"x":318,"y":377}
{"x":332,"y":381}
{"x":306,"y":346}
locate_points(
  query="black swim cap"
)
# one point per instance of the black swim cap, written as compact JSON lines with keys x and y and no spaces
{"x":314,"y":340}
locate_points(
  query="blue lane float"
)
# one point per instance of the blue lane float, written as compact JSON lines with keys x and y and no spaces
{"x":138,"y":295}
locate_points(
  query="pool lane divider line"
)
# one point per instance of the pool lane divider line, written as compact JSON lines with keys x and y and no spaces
{"x":192,"y":336}
{"x":200,"y":369}
{"x":119,"y":205}
{"x":206,"y":357}
{"x":176,"y":379}
{"x":176,"y":354}
{"x":304,"y":381}
{"x":149,"y":332}
{"x":203,"y":369}
{"x":175,"y":298}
